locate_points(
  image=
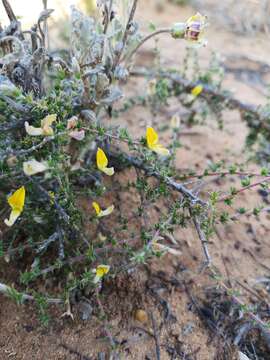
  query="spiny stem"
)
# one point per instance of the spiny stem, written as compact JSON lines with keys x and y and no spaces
{"x":237,"y":192}
{"x":7,"y":290}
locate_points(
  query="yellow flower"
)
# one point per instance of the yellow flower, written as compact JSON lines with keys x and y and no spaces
{"x":152,"y":143}
{"x":197,"y":90}
{"x":101,"y":271}
{"x":91,"y":7}
{"x":16,"y":202}
{"x":45,"y":129}
{"x":102,"y":163}
{"x":101,"y":213}
{"x":195,"y":26}
{"x":33,"y":167}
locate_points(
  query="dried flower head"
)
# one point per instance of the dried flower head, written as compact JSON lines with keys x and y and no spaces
{"x":195,"y":27}
{"x":45,"y":129}
{"x":33,"y":167}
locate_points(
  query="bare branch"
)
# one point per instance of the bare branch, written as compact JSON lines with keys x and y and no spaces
{"x":10,"y":13}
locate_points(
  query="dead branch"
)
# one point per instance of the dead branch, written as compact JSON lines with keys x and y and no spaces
{"x":10,"y":13}
{"x":7,"y":290}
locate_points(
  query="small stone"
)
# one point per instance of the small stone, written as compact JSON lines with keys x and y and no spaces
{"x":141,"y":316}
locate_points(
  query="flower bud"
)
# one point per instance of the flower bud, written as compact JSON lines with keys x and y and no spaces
{"x":178,"y":30}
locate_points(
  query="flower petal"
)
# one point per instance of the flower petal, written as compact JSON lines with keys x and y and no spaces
{"x":72,"y":122}
{"x":16,"y":200}
{"x":197,"y":90}
{"x":102,"y":270}
{"x":33,"y":131}
{"x":33,"y":167}
{"x":48,"y":120}
{"x":151,"y":137}
{"x":161,"y":150}
{"x":78,"y":135}
{"x":13,"y":217}
{"x":106,"y":212}
{"x":102,"y":160}
{"x":96,"y":207}
{"x":108,"y":171}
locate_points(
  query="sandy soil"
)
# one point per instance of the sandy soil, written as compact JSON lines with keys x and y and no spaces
{"x":238,"y":251}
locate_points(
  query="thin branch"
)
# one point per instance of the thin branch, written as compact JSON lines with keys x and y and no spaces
{"x":156,"y":336}
{"x":10,"y":13}
{"x":108,"y":16}
{"x":237,"y":192}
{"x":7,"y":290}
{"x":207,"y":91}
{"x":154,"y":173}
{"x":125,"y":37}
{"x":36,"y":147}
{"x":106,"y":324}
{"x":145,"y":39}
{"x":202,"y":238}
{"x":221,"y":174}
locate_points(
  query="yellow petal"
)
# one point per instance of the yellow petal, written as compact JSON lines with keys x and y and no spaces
{"x":96,"y":207}
{"x":161,"y":150}
{"x":102,"y":163}
{"x":197,"y":90}
{"x":33,"y":167}
{"x":48,"y":131}
{"x":196,"y":17}
{"x":48,"y":120}
{"x":102,"y":160}
{"x":108,"y":171}
{"x":151,"y":137}
{"x":33,"y":131}
{"x":16,"y":200}
{"x":102,"y":270}
{"x":13,"y":217}
{"x":106,"y":212}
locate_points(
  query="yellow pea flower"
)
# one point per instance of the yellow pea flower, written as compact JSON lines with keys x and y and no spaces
{"x":101,"y":213}
{"x":45,"y":129}
{"x":101,"y":271}
{"x":16,"y":202}
{"x":196,"y":91}
{"x":33,"y":167}
{"x":152,"y":143}
{"x":102,"y":163}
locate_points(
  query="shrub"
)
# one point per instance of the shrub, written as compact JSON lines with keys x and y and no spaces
{"x":82,"y":198}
